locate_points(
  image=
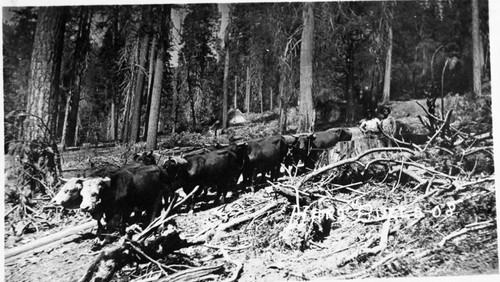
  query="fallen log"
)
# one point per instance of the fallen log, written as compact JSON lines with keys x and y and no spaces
{"x":36,"y":245}
{"x":292,"y":197}
{"x":113,"y":259}
{"x":347,"y":161}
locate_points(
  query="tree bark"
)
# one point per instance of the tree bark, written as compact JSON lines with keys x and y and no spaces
{"x":235,"y":92}
{"x":306,"y":107}
{"x":65,"y":124}
{"x":261,"y":97}
{"x":79,"y":67}
{"x":45,"y":73}
{"x":135,"y":112}
{"x":192,"y":98}
{"x":270,"y":98}
{"x":176,"y":96}
{"x":225,"y":83}
{"x":476,"y":55}
{"x":388,"y":66}
{"x":152,"y":55}
{"x":350,"y":112}
{"x":155,"y":100}
{"x":158,"y":79}
{"x":282,"y":105}
{"x":247,"y":91}
{"x":125,"y":121}
{"x":112,"y":122}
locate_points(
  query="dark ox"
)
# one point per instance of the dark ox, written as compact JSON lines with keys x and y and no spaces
{"x":264,"y":155}
{"x":309,"y":147}
{"x":292,"y":157}
{"x":219,"y":169}
{"x":128,"y":190}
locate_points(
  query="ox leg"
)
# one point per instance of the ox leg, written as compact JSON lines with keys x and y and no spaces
{"x":221,"y":192}
{"x":192,"y":201}
{"x":154,"y":210}
{"x":254,"y":177}
{"x":275,"y":173}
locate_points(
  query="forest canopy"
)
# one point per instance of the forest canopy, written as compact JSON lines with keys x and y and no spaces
{"x":111,"y":62}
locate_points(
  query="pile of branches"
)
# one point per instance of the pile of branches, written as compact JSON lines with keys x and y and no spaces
{"x":35,"y":167}
{"x":155,"y":249}
{"x":444,"y":187}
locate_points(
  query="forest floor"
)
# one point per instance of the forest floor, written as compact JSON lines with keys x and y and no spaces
{"x":453,"y":233}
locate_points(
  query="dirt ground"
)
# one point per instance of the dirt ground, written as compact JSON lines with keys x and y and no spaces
{"x":268,"y":247}
{"x":258,"y":246}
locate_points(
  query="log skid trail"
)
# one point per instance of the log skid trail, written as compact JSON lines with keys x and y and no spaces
{"x":364,"y":211}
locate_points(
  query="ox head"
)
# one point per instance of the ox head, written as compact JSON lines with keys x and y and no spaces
{"x":291,"y":143}
{"x":91,"y":193}
{"x":305,"y":142}
{"x":344,"y":134}
{"x":69,"y":195}
{"x":173,"y":165}
{"x":145,"y":158}
{"x":241,"y":151}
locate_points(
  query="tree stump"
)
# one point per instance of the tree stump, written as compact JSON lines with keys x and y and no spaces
{"x":348,"y":149}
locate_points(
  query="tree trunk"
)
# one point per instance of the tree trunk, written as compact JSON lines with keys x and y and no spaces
{"x":65,"y":124}
{"x":235,"y":92}
{"x":270,"y":98}
{"x":155,"y":101}
{"x":158,"y":78}
{"x":79,"y":67}
{"x":388,"y":65}
{"x":261,"y":97}
{"x":77,"y":129}
{"x":45,"y":73}
{"x":125,"y":121}
{"x":247,"y":91}
{"x":176,"y":85}
{"x":135,"y":112}
{"x":192,"y":99}
{"x":350,"y":112}
{"x":152,"y":55}
{"x":306,"y":107}
{"x":476,"y":60}
{"x":112,"y":122}
{"x":225,"y":83}
{"x":282,"y":105}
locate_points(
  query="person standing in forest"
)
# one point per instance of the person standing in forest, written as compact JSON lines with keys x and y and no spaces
{"x":388,"y":124}
{"x":370,"y":125}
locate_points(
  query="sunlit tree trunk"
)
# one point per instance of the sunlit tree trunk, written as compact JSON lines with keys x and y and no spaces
{"x":112,"y":125}
{"x":158,"y":79}
{"x":476,"y":54}
{"x":45,"y":73}
{"x":388,"y":66}
{"x":225,"y":84}
{"x":152,"y":56}
{"x":235,"y":92}
{"x":306,"y":107}
{"x":261,"y":97}
{"x":247,"y":91}
{"x":135,"y":111}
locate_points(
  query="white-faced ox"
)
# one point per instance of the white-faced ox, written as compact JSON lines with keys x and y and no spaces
{"x":128,"y":190}
{"x":69,"y":195}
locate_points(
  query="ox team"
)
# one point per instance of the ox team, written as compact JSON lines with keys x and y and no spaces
{"x":114,"y":193}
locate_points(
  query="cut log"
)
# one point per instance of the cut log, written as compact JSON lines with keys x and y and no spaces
{"x":36,"y":245}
